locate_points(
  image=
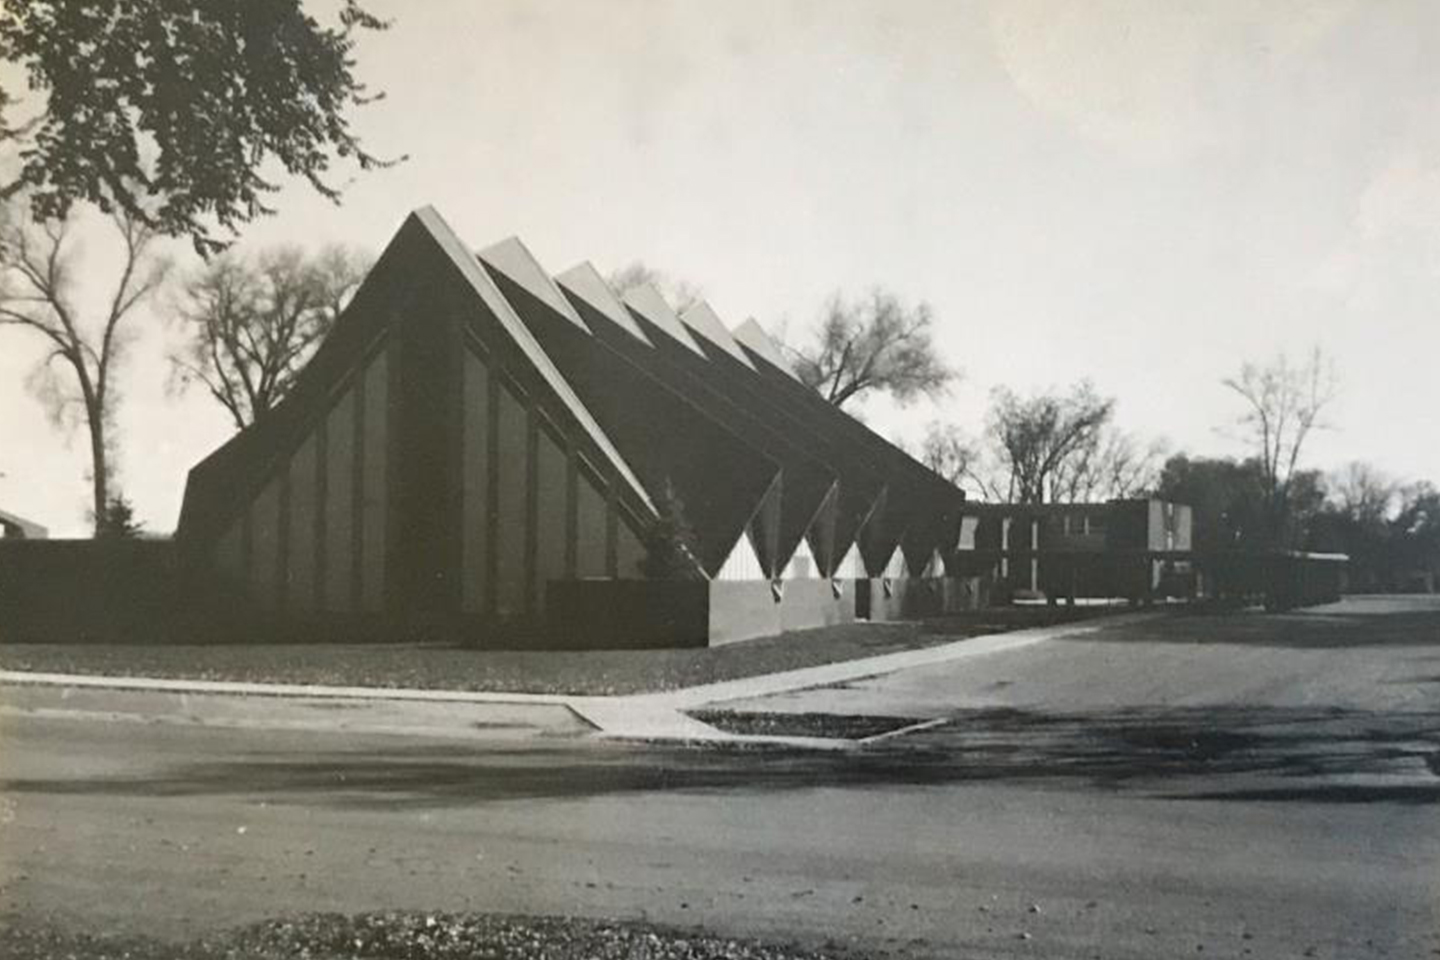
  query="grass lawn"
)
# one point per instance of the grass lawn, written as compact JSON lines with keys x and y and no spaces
{"x":449,"y":667}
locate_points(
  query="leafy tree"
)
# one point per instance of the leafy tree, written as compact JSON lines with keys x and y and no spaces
{"x":1227,"y":497}
{"x":1038,"y":440}
{"x":1417,"y":529}
{"x":118,"y":521}
{"x":76,"y":379}
{"x":171,"y":112}
{"x":1390,"y":531}
{"x":670,"y":545}
{"x":875,"y":344}
{"x":1230,"y":503}
{"x":1283,"y":404}
{"x":680,"y":294}
{"x":250,"y":325}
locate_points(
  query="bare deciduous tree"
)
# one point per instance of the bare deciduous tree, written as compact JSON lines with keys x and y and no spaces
{"x":680,"y":294}
{"x":1283,"y":407}
{"x":877,"y":343}
{"x":76,"y":378}
{"x":1113,"y":464}
{"x":251,"y":326}
{"x":1363,"y":493}
{"x":959,"y":459}
{"x":1035,"y":438}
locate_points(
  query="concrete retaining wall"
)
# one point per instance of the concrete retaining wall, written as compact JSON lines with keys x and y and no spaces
{"x":627,"y":614}
{"x":915,"y":598}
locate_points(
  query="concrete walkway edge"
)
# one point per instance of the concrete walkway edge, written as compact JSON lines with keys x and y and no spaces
{"x":645,"y":716}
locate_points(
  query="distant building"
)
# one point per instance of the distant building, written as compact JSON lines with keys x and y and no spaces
{"x":18,"y":528}
{"x":1132,"y":547}
{"x":486,"y":445}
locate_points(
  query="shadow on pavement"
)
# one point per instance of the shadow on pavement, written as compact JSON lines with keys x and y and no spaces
{"x":1238,"y":753}
{"x":1359,"y":622}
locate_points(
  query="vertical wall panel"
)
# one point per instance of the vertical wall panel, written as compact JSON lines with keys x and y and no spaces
{"x":230,"y":553}
{"x":339,"y":512}
{"x":475,"y":467}
{"x":552,"y":509}
{"x":374,"y":492}
{"x":629,"y":552}
{"x":265,"y":546}
{"x":510,"y":520}
{"x":590,"y":521}
{"x":300,"y":592}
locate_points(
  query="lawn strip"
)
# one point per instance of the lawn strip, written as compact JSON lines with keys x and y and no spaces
{"x":454,"y":667}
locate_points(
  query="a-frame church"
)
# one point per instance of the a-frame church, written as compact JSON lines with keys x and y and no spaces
{"x":483,"y":448}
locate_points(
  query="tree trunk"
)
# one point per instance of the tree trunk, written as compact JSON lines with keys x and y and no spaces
{"x":99,"y":468}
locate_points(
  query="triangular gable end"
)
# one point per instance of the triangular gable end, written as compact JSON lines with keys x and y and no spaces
{"x":512,"y":258}
{"x":703,"y":321}
{"x":743,"y":563}
{"x":648,"y":303}
{"x":896,"y":567}
{"x":754,"y":339}
{"x":802,"y":564}
{"x":852,"y":567}
{"x":470,"y":268}
{"x":583,"y":282}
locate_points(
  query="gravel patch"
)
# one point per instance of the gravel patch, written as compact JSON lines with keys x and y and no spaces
{"x":826,"y":725}
{"x":409,"y":936}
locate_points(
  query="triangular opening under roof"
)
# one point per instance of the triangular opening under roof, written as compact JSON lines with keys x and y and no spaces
{"x":647,"y":301}
{"x":584,"y":282}
{"x":753,"y":337}
{"x":512,"y":258}
{"x":703,"y":321}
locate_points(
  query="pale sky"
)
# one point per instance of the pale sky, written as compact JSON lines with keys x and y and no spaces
{"x":1143,"y":193}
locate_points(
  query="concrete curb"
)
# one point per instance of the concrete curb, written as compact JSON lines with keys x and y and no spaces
{"x":645,"y":717}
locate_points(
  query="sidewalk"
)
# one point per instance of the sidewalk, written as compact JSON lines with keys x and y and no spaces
{"x":647,"y":716}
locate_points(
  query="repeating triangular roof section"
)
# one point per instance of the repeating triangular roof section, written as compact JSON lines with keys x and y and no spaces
{"x":754,"y":339}
{"x":702,"y":321}
{"x":512,"y":258}
{"x":648,"y":302}
{"x":584,"y":282}
{"x":470,"y":268}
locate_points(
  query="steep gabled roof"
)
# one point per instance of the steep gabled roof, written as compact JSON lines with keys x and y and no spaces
{"x":810,"y":478}
{"x":860,"y":472}
{"x":921,"y":511}
{"x":424,"y":251}
{"x":517,"y":262}
{"x":724,"y":482}
{"x":469,"y":267}
{"x":702,"y":321}
{"x":647,"y":304}
{"x":584,"y":281}
{"x":754,"y":339}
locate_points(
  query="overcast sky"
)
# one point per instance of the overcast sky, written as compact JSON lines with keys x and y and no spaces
{"x":1142,"y":193}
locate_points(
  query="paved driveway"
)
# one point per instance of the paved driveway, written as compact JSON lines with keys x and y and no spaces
{"x":1231,"y":786}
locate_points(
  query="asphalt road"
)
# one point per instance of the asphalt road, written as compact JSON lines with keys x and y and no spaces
{"x":1235,"y":786}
